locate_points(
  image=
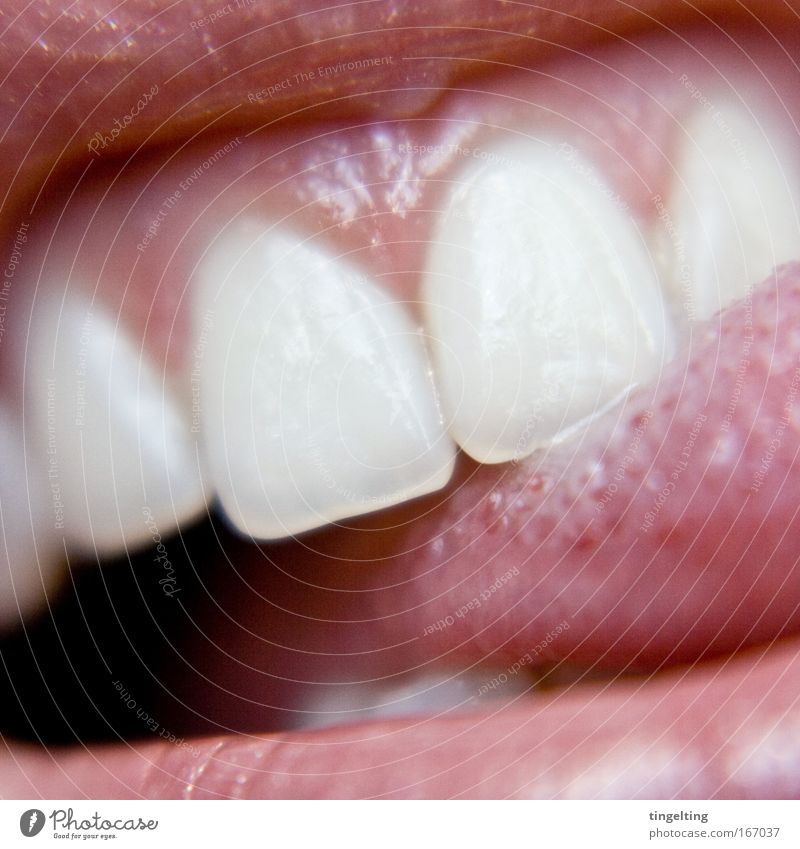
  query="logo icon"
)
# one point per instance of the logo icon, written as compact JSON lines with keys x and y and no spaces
{"x":31,"y":822}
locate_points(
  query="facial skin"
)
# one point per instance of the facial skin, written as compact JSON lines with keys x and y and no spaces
{"x":711,"y":710}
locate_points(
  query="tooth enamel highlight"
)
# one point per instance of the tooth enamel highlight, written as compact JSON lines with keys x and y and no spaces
{"x":541,"y":301}
{"x":316,"y":395}
{"x":733,"y":205}
{"x":30,"y":549}
{"x":109,"y":433}
{"x":422,"y":694}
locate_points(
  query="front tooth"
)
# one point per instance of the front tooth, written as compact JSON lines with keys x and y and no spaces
{"x":30,"y":548}
{"x":733,"y":205}
{"x":540,"y":299}
{"x":109,"y":432}
{"x":317,"y":401}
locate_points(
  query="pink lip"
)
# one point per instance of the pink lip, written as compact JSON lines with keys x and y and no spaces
{"x":644,"y":573}
{"x":69,"y":70}
{"x":725,"y":731}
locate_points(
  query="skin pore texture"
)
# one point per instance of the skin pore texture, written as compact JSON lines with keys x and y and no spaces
{"x":677,"y":672}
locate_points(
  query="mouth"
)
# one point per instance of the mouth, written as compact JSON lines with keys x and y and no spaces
{"x":399,"y":404}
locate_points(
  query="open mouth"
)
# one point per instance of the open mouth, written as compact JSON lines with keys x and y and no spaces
{"x":401,"y":402}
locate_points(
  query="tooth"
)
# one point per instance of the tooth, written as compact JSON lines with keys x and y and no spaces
{"x":317,"y":402}
{"x":426,"y":693}
{"x":109,"y":430}
{"x":733,"y":205}
{"x":540,"y":299}
{"x":30,"y":550}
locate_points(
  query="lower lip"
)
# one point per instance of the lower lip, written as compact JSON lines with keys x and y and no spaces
{"x":725,"y":731}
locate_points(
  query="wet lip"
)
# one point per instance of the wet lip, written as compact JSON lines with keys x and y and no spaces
{"x":67,"y":69}
{"x":727,"y":731}
{"x":772,"y":583}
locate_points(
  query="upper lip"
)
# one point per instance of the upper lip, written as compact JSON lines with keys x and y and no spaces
{"x":68,"y":69}
{"x":161,"y":48}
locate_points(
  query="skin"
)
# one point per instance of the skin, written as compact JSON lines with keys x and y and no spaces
{"x":715,"y":576}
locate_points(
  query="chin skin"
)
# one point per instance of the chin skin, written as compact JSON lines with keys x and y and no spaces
{"x":711,"y":584}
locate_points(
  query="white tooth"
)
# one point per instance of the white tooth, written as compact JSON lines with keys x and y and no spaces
{"x":540,"y":299}
{"x":31,"y":552}
{"x":317,"y":399}
{"x":733,"y":205}
{"x":440,"y":692}
{"x":110,"y":431}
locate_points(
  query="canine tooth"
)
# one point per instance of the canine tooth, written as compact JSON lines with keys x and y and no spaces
{"x":30,"y":550}
{"x":540,"y":299}
{"x":317,"y":402}
{"x":733,"y":204}
{"x":109,"y":430}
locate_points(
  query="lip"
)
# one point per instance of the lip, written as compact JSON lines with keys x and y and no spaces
{"x":691,"y":734}
{"x":68,"y":70}
{"x":574,"y":561}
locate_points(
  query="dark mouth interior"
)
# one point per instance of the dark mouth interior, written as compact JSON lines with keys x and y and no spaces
{"x":127,"y":642}
{"x":108,"y":624}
